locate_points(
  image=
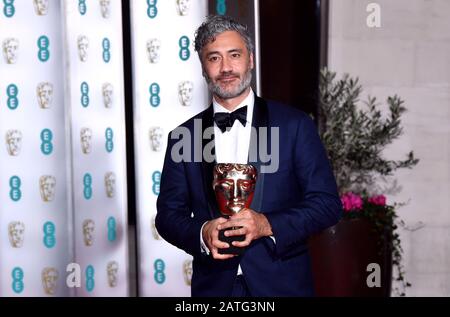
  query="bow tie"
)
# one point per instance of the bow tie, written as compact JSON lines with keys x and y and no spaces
{"x":225,"y":119}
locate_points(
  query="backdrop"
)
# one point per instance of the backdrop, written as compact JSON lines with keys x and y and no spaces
{"x":63,"y":165}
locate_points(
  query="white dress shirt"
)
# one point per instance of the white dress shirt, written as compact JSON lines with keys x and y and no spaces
{"x":232,"y":146}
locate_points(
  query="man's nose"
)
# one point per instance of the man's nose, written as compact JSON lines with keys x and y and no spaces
{"x":235,"y":192}
{"x":226,"y":65}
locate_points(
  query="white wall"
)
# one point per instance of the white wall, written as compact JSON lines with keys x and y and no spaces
{"x":409,"y":56}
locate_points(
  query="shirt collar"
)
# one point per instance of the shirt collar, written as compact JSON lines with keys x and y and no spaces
{"x":248,"y":101}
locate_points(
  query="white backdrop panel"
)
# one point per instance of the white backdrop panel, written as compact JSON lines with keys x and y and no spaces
{"x":23,"y":211}
{"x":94,"y":60}
{"x":162,"y":267}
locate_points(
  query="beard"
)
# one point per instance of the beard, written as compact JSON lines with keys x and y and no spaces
{"x":224,"y":93}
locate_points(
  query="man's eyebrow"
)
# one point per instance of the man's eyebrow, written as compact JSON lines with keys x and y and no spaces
{"x":234,"y":50}
{"x":212,"y":53}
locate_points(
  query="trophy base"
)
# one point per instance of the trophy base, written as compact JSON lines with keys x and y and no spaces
{"x":232,"y":249}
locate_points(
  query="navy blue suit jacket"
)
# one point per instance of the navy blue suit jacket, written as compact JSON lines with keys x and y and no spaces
{"x":298,"y":200}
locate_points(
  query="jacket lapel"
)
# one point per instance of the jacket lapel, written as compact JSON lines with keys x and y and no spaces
{"x":208,"y":167}
{"x":260,"y":120}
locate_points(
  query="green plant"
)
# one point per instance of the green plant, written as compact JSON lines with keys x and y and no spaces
{"x":355,"y":135}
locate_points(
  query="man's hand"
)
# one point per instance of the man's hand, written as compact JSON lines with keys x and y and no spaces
{"x":210,"y":236}
{"x":254,"y":226}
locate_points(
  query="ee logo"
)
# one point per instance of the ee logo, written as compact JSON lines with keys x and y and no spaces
{"x":84,"y":94}
{"x":221,"y":7}
{"x":87,"y":182}
{"x":17,"y":278}
{"x":82,"y":7}
{"x":9,"y":8}
{"x":160,"y":276}
{"x":43,"y":45}
{"x":184,"y":48}
{"x":49,"y":235}
{"x":156,"y":178}
{"x":106,"y":44}
{"x":112,"y":232}
{"x":155,"y":99}
{"x":47,"y":145}
{"x":90,"y":283}
{"x":109,"y":135}
{"x":15,"y":193}
{"x":152,"y":10}
{"x":13,"y":102}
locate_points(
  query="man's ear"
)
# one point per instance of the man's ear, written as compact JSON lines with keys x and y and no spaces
{"x":252,"y":65}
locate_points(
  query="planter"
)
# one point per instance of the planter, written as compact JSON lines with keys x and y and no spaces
{"x":340,"y":256}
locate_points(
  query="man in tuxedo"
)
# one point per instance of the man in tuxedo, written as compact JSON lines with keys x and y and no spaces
{"x":295,"y":194}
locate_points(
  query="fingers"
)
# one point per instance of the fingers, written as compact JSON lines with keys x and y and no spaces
{"x":217,"y":244}
{"x":243,"y":218}
{"x":242,"y":244}
{"x":236,"y":231}
{"x":232,"y":223}
{"x":215,"y":251}
{"x":213,"y":238}
{"x":221,"y":220}
{"x":240,"y":232}
{"x":217,"y":256}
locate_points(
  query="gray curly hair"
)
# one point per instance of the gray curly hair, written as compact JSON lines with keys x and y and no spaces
{"x":217,"y":24}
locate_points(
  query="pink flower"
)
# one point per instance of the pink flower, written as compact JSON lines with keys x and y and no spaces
{"x":379,"y":200}
{"x":351,"y":202}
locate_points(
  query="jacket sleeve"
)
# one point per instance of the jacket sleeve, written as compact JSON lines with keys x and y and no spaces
{"x":320,"y":206}
{"x":173,"y":219}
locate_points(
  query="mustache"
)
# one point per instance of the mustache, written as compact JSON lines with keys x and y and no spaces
{"x":228,"y":76}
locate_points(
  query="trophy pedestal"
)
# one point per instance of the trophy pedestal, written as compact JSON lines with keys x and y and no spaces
{"x":232,"y":249}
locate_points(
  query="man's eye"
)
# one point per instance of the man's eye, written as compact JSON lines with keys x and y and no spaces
{"x":236,"y":55}
{"x":213,"y":59}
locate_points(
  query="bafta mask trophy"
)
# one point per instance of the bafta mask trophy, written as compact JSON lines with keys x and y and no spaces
{"x":112,"y":269}
{"x":16,"y":230}
{"x":110,"y":184}
{"x":185,"y":92}
{"x":86,"y":140}
{"x":234,"y":186}
{"x":153,"y":50}
{"x":108,"y":92}
{"x":88,"y":232}
{"x":187,"y":272}
{"x":83,"y":46}
{"x":156,"y":138}
{"x":105,"y":6}
{"x":47,"y":185}
{"x":13,"y":142}
{"x":183,"y":7}
{"x":11,"y":50}
{"x":41,"y":7}
{"x":49,"y":280}
{"x":45,"y":94}
{"x":155,"y":232}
